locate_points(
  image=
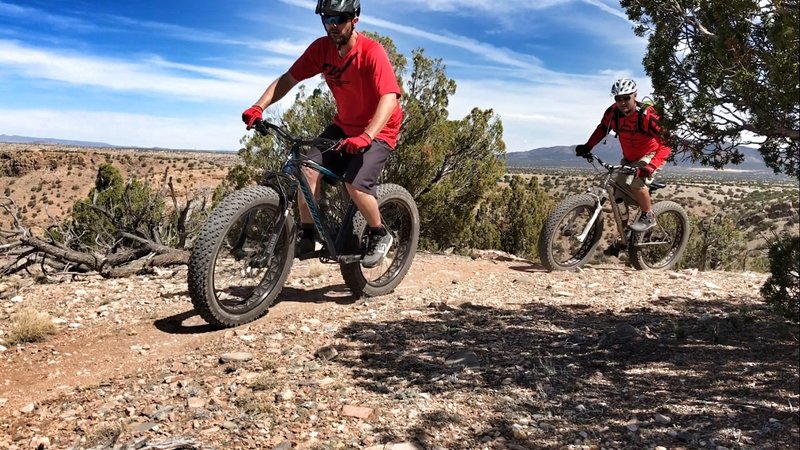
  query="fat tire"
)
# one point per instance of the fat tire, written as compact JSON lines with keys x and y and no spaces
{"x":353,"y":273}
{"x":638,"y":255}
{"x":550,"y":229}
{"x":207,"y":246}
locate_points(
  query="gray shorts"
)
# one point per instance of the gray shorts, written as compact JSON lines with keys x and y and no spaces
{"x":362,"y":169}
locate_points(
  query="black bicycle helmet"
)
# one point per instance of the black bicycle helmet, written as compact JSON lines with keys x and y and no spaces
{"x":352,"y":7}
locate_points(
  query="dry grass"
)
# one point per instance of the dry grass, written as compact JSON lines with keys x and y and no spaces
{"x":104,"y":434}
{"x":316,"y":269}
{"x":30,"y":325}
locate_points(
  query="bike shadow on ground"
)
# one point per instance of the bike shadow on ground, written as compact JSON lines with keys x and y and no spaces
{"x":189,"y":322}
{"x":338,"y":293}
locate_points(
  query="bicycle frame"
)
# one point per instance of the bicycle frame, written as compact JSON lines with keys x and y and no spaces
{"x":292,"y":173}
{"x":609,"y":189}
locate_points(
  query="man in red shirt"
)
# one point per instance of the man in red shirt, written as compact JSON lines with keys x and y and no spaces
{"x":362,"y":81}
{"x":641,"y":141}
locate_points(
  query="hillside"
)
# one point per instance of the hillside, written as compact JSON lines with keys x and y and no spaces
{"x":45,"y":180}
{"x":483,"y":352}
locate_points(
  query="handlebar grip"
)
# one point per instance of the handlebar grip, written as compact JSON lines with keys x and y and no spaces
{"x":322,"y":142}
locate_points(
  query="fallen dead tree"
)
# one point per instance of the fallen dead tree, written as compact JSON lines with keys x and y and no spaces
{"x":120,"y":248}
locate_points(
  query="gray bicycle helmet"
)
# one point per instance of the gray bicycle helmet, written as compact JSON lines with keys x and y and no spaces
{"x":338,"y":7}
{"x":623,"y":86}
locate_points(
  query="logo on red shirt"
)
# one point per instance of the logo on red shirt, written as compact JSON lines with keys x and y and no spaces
{"x":333,"y":74}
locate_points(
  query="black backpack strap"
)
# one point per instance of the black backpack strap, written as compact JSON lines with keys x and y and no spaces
{"x":642,"y":116}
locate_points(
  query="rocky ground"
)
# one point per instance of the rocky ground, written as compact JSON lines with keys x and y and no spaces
{"x":469,"y":353}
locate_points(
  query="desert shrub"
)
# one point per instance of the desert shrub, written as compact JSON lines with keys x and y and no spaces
{"x":30,"y":325}
{"x":715,"y":243}
{"x":782,"y":289}
{"x":114,"y":205}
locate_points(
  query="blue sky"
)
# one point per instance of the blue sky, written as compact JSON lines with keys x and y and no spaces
{"x":179,"y":73}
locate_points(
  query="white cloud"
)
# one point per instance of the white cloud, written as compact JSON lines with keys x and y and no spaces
{"x":147,"y":76}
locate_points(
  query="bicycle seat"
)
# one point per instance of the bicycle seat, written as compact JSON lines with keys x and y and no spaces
{"x":654,"y":186}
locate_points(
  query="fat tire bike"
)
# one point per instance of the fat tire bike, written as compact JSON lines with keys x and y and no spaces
{"x":245,"y":250}
{"x":574,"y":228}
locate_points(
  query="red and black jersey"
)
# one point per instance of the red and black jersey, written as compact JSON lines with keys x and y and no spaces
{"x":357,"y":81}
{"x":639,"y":134}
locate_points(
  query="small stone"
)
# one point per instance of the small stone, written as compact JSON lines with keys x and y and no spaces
{"x":325,"y":382}
{"x":327,"y":353}
{"x":284,"y":395}
{"x":403,"y":446}
{"x":235,"y":356}
{"x":196,"y":402}
{"x":466,"y":359}
{"x":285,"y":445}
{"x":40,"y":442}
{"x":361,"y":412}
{"x":662,"y":419}
{"x":27,"y":409}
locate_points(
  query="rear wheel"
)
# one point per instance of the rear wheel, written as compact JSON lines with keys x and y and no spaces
{"x":559,"y":248}
{"x":231,"y":278}
{"x":401,"y":219}
{"x":660,"y":247}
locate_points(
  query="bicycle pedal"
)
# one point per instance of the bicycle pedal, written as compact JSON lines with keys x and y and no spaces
{"x":350,"y":259}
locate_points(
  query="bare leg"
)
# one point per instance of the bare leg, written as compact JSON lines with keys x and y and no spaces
{"x":367,"y":204}
{"x":313,"y":182}
{"x":642,"y":197}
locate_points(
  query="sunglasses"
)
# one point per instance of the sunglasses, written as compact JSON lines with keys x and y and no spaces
{"x":340,"y":19}
{"x":622,"y":98}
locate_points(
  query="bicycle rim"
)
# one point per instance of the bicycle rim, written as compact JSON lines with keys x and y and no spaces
{"x":243,"y":275}
{"x":660,"y":246}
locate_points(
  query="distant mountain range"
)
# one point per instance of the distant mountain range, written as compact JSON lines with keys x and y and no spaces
{"x":35,"y":140}
{"x":611,"y":152}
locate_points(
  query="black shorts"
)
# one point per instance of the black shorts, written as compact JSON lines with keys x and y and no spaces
{"x":362,"y":169}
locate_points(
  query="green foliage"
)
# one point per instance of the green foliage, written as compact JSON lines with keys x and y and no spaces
{"x":723,"y":67}
{"x":511,"y":218}
{"x":113,"y":205}
{"x":782,"y":289}
{"x":715,"y":243}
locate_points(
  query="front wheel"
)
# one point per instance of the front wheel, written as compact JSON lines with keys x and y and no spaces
{"x":401,"y":218}
{"x":231,"y":279}
{"x":559,"y":247}
{"x":660,"y":247}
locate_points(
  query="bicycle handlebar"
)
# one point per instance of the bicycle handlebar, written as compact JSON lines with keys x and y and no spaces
{"x":591,"y":157}
{"x":263,"y":127}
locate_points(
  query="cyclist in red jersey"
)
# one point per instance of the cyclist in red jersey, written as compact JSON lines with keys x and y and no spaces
{"x":361,"y":78}
{"x":639,"y":135}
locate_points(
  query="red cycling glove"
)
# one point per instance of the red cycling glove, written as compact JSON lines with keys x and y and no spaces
{"x":251,"y":114}
{"x":646,"y":171}
{"x":354,"y":144}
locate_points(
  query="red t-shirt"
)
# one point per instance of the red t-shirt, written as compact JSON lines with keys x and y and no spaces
{"x":635,"y":144}
{"x":357,"y":81}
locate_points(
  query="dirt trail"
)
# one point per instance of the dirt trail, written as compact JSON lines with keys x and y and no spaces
{"x":487,"y":352}
{"x":157,"y":325}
